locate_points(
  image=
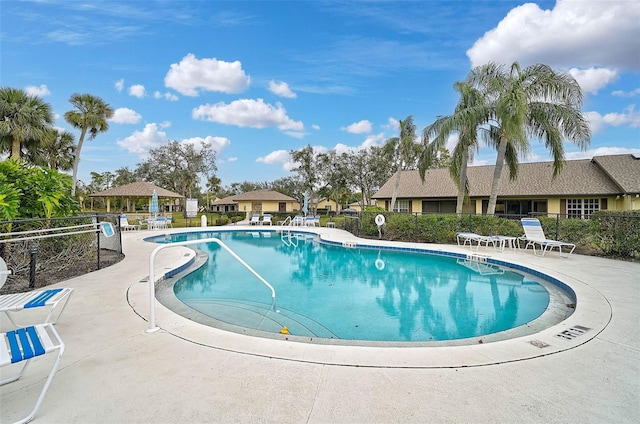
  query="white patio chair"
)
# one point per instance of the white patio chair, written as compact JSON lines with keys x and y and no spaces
{"x":468,"y":238}
{"x":534,"y":236}
{"x":50,"y":300}
{"x":255,"y":219}
{"x":124,"y":224}
{"x":266,"y":219}
{"x":24,"y":344}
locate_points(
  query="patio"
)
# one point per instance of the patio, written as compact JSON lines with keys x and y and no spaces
{"x":113,"y":371}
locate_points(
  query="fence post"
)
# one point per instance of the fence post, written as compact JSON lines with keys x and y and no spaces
{"x":557,"y":227}
{"x":33,"y":252}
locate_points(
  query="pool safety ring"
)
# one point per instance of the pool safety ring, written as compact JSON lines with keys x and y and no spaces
{"x":379,"y":264}
{"x":379,"y":220}
{"x":4,"y":272}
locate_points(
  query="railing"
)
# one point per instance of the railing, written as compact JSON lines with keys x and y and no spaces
{"x":152,"y":279}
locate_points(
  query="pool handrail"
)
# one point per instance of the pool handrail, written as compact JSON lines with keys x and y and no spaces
{"x":152,"y":286}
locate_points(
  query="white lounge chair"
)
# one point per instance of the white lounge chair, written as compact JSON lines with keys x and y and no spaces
{"x":50,"y":300}
{"x":124,"y":224}
{"x":266,"y":219}
{"x":169,"y":223}
{"x":534,"y":236}
{"x":255,"y":219}
{"x":470,"y":238}
{"x":24,"y":344}
{"x":298,"y":221}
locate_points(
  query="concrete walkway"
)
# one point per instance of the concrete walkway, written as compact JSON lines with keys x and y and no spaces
{"x":113,"y":371}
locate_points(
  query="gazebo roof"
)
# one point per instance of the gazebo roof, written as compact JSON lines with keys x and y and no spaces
{"x":137,"y":189}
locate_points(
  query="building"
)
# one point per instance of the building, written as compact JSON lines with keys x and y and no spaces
{"x":584,"y":186}
{"x":259,"y":201}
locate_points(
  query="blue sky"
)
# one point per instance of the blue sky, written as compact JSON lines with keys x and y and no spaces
{"x":260,"y":78}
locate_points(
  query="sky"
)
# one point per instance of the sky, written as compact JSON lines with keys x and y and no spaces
{"x":257,"y":79}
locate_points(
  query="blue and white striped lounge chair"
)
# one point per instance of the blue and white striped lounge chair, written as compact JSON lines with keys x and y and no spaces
{"x":24,"y":344}
{"x":266,"y":219}
{"x":50,"y":300}
{"x":255,"y":219}
{"x":124,"y":224}
{"x":534,"y":236}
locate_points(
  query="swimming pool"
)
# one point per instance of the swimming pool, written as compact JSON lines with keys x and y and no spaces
{"x":331,"y":292}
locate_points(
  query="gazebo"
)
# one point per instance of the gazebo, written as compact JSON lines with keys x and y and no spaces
{"x":133,"y":191}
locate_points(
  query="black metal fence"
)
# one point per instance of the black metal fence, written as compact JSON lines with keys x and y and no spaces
{"x":40,"y":252}
{"x":615,"y":234}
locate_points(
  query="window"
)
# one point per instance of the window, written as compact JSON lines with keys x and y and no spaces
{"x":402,"y":206}
{"x":582,"y":208}
{"x":438,"y":206}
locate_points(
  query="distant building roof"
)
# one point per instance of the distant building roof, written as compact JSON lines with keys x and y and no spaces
{"x":602,"y":175}
{"x":137,"y":189}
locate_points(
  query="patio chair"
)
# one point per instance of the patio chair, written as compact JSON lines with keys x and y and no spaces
{"x":534,"y":236}
{"x":24,"y":344}
{"x":470,"y":238}
{"x":50,"y":300}
{"x":124,"y":224}
{"x":255,"y":219}
{"x":169,"y":222}
{"x":266,"y":219}
{"x":297,"y":221}
{"x":309,"y":222}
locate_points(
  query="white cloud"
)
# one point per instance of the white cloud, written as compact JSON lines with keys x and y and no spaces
{"x":40,"y":91}
{"x":140,"y":142}
{"x":119,"y":85}
{"x":248,"y":113}
{"x":278,"y":156}
{"x":315,"y":127}
{"x":602,"y":151}
{"x":233,"y":159}
{"x":281,"y":89}
{"x":631,"y":93}
{"x":137,"y":90}
{"x":628,"y":118}
{"x":164,"y":124}
{"x":192,"y":74}
{"x":125,"y":115}
{"x":372,"y":140}
{"x":593,"y":79}
{"x":392,"y":124}
{"x":218,"y":143}
{"x":573,"y":33}
{"x":361,"y":127}
{"x":167,"y":96}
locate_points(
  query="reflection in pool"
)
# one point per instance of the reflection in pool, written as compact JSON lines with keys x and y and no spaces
{"x":327,"y":291}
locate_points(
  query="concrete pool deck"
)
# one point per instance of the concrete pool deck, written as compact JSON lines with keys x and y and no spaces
{"x":114,"y":371}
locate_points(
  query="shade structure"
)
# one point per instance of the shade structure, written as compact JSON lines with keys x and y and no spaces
{"x":153,"y":207}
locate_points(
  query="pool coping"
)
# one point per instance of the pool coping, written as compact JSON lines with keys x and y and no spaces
{"x":592,"y":311}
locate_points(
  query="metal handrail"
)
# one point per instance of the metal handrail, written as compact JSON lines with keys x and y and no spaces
{"x":152,"y":279}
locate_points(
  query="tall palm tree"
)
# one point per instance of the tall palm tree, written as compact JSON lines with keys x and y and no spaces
{"x":24,"y":120}
{"x":535,"y":102}
{"x":404,"y":151}
{"x":470,"y":113}
{"x":55,"y":151}
{"x":90,"y":115}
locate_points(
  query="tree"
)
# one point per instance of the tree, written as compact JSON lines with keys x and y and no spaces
{"x":307,"y":165}
{"x":56,"y":150}
{"x":124,"y":176}
{"x":177,"y":167}
{"x":470,"y":113}
{"x":405,"y":152}
{"x":537,"y":102}
{"x":90,"y":114}
{"x":368,"y":170}
{"x":24,"y":120}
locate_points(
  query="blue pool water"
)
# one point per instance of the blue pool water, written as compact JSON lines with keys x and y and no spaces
{"x":327,"y":291}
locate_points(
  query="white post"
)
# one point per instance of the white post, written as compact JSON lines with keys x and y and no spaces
{"x":203,"y":221}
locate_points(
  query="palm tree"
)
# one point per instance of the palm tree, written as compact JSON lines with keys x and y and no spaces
{"x":470,"y":113}
{"x":404,"y":149}
{"x":56,"y":150}
{"x":90,"y":115}
{"x":535,"y":102}
{"x":24,"y":120}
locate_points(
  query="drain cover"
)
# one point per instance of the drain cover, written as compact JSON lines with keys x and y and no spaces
{"x":573,"y":332}
{"x":538,"y":343}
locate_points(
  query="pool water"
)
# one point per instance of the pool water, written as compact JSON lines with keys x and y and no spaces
{"x":328,"y":291}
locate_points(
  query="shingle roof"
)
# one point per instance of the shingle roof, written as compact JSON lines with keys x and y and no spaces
{"x":137,"y":189}
{"x":578,"y":177}
{"x":224,"y":201}
{"x":260,"y":196}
